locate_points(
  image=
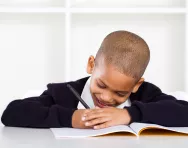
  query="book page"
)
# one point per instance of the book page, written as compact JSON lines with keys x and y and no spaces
{"x":139,"y":127}
{"x":80,"y":133}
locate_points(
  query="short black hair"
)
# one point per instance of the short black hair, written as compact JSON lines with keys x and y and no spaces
{"x":128,"y":52}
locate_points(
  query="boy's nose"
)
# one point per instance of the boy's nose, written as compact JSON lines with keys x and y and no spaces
{"x":106,"y":96}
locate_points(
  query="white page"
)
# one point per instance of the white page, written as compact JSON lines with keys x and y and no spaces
{"x":80,"y":133}
{"x":139,"y":126}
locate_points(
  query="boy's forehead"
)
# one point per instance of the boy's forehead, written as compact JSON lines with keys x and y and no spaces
{"x":113,"y":78}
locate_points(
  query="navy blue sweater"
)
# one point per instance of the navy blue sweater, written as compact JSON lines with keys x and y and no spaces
{"x":56,"y":105}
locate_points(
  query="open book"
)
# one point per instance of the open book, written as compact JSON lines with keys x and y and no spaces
{"x":134,"y":128}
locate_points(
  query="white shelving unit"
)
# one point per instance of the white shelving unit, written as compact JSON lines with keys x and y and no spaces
{"x":43,"y":41}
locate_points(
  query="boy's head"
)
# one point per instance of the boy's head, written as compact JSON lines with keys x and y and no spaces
{"x":118,"y":68}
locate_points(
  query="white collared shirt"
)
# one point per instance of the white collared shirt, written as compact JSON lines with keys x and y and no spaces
{"x":86,"y":96}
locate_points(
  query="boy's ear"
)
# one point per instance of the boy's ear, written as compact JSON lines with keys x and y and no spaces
{"x":136,"y":87}
{"x":90,"y":64}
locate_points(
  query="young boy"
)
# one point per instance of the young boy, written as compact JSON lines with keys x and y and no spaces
{"x":115,"y":92}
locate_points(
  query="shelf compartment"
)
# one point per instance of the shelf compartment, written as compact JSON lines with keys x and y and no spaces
{"x":32,"y":48}
{"x":165,"y":35}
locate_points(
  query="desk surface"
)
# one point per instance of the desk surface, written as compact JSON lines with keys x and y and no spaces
{"x":11,"y":137}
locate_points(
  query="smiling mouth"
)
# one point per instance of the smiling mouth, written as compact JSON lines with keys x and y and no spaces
{"x":100,"y":104}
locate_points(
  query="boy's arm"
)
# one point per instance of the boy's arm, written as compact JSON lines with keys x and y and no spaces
{"x":158,"y":108}
{"x":37,"y":112}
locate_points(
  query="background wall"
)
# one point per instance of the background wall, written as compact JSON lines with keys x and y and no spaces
{"x":43,"y":41}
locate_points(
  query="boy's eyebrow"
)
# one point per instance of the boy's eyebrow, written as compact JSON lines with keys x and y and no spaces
{"x":119,"y":91}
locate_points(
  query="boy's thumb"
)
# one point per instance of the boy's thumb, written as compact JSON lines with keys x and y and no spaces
{"x":97,"y":107}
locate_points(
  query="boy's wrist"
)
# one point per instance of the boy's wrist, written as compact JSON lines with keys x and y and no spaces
{"x":127,"y":117}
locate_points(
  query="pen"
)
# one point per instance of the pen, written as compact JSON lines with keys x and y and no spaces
{"x":78,"y":96}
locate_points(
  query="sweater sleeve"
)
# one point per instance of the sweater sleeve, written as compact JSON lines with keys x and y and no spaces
{"x":159,"y":108}
{"x":37,"y":112}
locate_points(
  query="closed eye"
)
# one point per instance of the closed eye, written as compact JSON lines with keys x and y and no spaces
{"x":121,"y":95}
{"x":117,"y":93}
{"x":100,"y":86}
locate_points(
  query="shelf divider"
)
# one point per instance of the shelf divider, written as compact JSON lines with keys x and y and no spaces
{"x":186,"y":50}
{"x":67,"y":41}
{"x":91,"y":10}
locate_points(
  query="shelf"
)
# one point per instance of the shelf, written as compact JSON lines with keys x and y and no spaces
{"x":127,"y":3}
{"x":32,"y":10}
{"x":32,"y":3}
{"x":128,"y":10}
{"x":91,"y":10}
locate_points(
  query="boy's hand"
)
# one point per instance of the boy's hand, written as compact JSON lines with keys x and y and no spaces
{"x":77,"y":118}
{"x":106,"y":117}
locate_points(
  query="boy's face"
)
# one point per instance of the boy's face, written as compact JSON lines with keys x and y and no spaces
{"x":108,"y":86}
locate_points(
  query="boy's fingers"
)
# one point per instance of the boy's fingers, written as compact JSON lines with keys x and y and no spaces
{"x":94,"y":115}
{"x":91,"y":111}
{"x":97,"y":121}
{"x":86,"y":111}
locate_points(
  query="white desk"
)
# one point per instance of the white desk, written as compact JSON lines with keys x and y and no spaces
{"x":11,"y":137}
